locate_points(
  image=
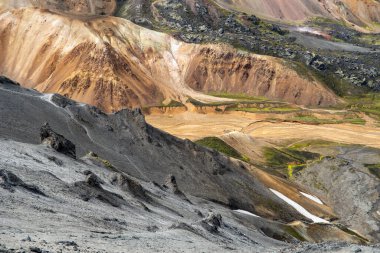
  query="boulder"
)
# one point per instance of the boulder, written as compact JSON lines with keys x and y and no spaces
{"x":57,"y":141}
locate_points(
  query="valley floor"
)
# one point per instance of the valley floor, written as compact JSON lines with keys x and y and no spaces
{"x":195,"y":126}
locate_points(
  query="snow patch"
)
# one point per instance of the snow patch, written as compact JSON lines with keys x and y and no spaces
{"x":246,"y":212}
{"x":299,"y":208}
{"x":313,"y":198}
{"x":48,"y":98}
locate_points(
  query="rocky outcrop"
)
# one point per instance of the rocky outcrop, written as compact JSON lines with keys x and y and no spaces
{"x":347,"y":178}
{"x":57,"y":141}
{"x":10,"y":182}
{"x":80,"y":191}
{"x":212,"y":222}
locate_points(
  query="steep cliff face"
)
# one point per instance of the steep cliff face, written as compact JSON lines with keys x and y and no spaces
{"x":217,"y":70}
{"x":360,"y":13}
{"x":112,"y":63}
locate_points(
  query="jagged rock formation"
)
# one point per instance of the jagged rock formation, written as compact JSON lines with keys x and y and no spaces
{"x":57,"y":141}
{"x":113,"y":64}
{"x":128,"y":205}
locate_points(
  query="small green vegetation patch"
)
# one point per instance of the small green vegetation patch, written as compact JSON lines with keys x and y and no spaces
{"x":310,"y":119}
{"x":313,"y":143}
{"x":221,"y":146}
{"x":265,"y":109}
{"x":288,"y":160}
{"x":340,"y":86}
{"x":106,"y":163}
{"x":366,"y":103}
{"x":237,"y":96}
{"x":374,"y":169}
{"x":294,"y":233}
{"x":203,"y":104}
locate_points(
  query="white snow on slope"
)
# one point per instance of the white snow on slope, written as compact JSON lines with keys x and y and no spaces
{"x":246,"y":212}
{"x":48,"y":98}
{"x":299,"y":208}
{"x":313,"y":198}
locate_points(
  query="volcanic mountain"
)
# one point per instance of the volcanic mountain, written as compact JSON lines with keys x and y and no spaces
{"x":363,"y":14}
{"x":81,"y":171}
{"x":79,"y":8}
{"x":113,"y":64}
{"x":102,"y":175}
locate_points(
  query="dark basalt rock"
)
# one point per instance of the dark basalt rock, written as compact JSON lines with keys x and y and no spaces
{"x":212,"y":223}
{"x":4,"y":79}
{"x":61,"y":101}
{"x":9,"y":181}
{"x":171,"y":183}
{"x":186,"y":227}
{"x":93,"y":180}
{"x":278,"y":29}
{"x":127,"y":184}
{"x":91,"y":189}
{"x":57,"y":141}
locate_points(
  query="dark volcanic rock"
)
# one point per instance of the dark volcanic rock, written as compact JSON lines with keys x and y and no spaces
{"x":129,"y":185}
{"x":61,"y":101}
{"x":4,"y":79}
{"x":57,"y":141}
{"x":186,"y":227}
{"x":35,"y":249}
{"x":212,"y":223}
{"x":171,"y":183}
{"x":93,"y":180}
{"x":9,"y":181}
{"x":90,"y":189}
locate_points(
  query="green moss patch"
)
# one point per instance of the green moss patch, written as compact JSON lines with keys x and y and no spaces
{"x":106,"y":163}
{"x":310,"y":119}
{"x":222,"y":147}
{"x":374,"y":169}
{"x":312,"y":143}
{"x":284,"y":109}
{"x":237,"y":96}
{"x":288,"y":160}
{"x":366,"y":103}
{"x":294,"y":233}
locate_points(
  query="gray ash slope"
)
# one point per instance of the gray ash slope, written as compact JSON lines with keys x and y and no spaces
{"x":134,"y":147}
{"x":51,"y":202}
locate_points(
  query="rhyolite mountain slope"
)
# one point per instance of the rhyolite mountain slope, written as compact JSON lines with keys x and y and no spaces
{"x":132,"y":187}
{"x":362,"y":14}
{"x":124,"y":65}
{"x":114,"y":64}
{"x":341,"y":57}
{"x":78,"y":8}
{"x":141,"y":187}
